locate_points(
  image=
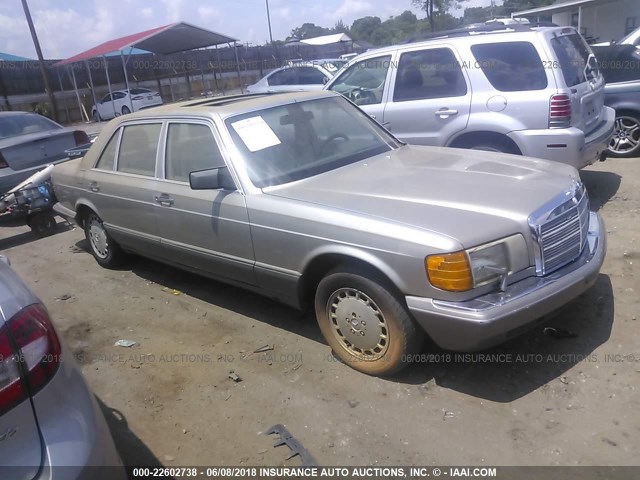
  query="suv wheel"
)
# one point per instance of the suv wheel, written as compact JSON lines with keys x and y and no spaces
{"x":626,"y":136}
{"x":364,"y":323}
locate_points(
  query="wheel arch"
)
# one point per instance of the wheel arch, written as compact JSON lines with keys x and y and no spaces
{"x":469,"y":139}
{"x":82,"y":208}
{"x":320,"y":263}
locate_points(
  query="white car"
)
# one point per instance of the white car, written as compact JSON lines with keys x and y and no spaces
{"x":298,"y":77}
{"x":121,"y":104}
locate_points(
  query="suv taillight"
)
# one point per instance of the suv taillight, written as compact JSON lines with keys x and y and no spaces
{"x":29,"y":355}
{"x":560,"y":111}
{"x":80,"y":137}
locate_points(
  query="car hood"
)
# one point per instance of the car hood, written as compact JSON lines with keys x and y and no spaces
{"x":469,"y":195}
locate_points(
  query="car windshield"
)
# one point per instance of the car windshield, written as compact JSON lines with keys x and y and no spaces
{"x":15,"y":125}
{"x":298,"y":140}
{"x":577,"y":63}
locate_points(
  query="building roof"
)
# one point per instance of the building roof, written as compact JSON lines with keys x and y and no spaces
{"x":7,"y":57}
{"x":327,"y":39}
{"x":176,"y":37}
{"x":561,"y":6}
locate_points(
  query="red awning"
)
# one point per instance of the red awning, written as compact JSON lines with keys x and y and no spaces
{"x":176,"y":37}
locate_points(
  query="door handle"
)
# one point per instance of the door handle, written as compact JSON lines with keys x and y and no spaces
{"x":164,"y":200}
{"x":94,"y":187}
{"x":445,"y":112}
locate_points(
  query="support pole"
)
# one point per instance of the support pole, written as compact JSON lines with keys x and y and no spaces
{"x":235,"y":49}
{"x":75,"y":87}
{"x":93,"y":91}
{"x":215,"y":75}
{"x":64,"y":97}
{"x":106,"y":70}
{"x":126,"y":80}
{"x":580,"y":19}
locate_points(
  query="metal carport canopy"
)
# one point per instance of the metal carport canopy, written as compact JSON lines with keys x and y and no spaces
{"x":173,"y":38}
{"x":176,"y":37}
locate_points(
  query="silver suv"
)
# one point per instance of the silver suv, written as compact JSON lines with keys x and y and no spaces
{"x":534,"y":91}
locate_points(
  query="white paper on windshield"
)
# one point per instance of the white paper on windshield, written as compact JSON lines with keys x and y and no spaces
{"x":255,"y":133}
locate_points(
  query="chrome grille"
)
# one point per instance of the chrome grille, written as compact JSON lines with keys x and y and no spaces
{"x":562,"y":233}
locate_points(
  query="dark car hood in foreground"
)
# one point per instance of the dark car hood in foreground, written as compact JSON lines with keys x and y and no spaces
{"x":444,"y":190}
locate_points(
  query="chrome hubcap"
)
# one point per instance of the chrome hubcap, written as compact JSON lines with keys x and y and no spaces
{"x":627,"y":135}
{"x":98,"y":237}
{"x":358,"y":323}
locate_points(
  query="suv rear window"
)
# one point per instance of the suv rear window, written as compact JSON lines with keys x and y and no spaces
{"x":573,"y":56}
{"x":511,"y":66}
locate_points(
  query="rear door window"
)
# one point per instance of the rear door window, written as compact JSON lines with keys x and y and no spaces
{"x":511,"y":66}
{"x":309,"y":76}
{"x":432,"y":73}
{"x":138,"y":149}
{"x":573,"y":58}
{"x":282,"y":77}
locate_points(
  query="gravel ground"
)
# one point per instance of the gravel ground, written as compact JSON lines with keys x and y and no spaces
{"x":169,"y":399}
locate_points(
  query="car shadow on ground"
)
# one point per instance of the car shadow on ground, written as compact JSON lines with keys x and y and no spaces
{"x":25,"y":237}
{"x":602,"y":186}
{"x":132,"y":450}
{"x":530,"y":361}
{"x":534,"y":358}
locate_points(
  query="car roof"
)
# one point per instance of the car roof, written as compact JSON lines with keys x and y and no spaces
{"x":466,"y":35}
{"x":228,"y":105}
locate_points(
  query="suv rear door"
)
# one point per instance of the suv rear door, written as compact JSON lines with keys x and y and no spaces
{"x":429,"y":96}
{"x":578,"y":77}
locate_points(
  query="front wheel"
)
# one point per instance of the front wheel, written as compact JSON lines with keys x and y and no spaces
{"x":364,"y":323}
{"x":104,"y":249}
{"x":43,"y":224}
{"x":626,"y":136}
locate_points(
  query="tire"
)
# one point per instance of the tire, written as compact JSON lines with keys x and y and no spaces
{"x":104,"y":249}
{"x":625,"y":142}
{"x":125,"y":110}
{"x":96,"y":117}
{"x":492,"y":147}
{"x":379,"y":349}
{"x":43,"y":224}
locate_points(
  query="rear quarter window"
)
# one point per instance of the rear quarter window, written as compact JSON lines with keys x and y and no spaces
{"x":511,"y":66}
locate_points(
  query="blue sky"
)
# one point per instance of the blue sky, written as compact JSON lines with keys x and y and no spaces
{"x":67,"y":27}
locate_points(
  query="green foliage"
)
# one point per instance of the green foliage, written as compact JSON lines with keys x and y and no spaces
{"x":309,"y":30}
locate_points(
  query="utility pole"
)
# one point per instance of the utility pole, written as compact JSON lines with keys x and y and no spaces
{"x":43,"y":68}
{"x":269,"y":20}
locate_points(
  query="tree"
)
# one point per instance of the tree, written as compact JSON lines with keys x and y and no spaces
{"x":340,"y":27}
{"x":433,"y":7}
{"x":309,"y":30}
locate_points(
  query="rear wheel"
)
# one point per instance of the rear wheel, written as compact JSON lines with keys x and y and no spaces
{"x":626,"y":136}
{"x":125,"y":110}
{"x":43,"y":224}
{"x":364,"y":323}
{"x":104,"y":249}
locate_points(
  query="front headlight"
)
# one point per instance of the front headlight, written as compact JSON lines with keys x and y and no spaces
{"x":477,"y":266}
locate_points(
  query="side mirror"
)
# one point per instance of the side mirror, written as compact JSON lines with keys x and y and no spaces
{"x":325,"y":80}
{"x":212,"y":179}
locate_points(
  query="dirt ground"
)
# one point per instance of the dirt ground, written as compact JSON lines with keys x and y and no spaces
{"x":169,"y":399}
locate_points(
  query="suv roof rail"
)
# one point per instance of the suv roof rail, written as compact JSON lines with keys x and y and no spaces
{"x":495,"y":27}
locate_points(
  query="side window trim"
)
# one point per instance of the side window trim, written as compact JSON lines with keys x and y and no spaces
{"x":162,"y":163}
{"x":118,"y":132}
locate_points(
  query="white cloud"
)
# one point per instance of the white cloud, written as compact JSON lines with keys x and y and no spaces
{"x":350,"y":9}
{"x":146,"y":12}
{"x":173,"y":10}
{"x":207,"y":13}
{"x":284,"y":13}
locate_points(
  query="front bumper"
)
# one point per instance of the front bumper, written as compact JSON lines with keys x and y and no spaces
{"x":496,"y":317}
{"x":568,"y":145}
{"x":66,"y":213}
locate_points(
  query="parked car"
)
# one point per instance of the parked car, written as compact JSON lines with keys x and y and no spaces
{"x":620,"y":65}
{"x":49,"y":418}
{"x":28,"y":142}
{"x":123,"y":103}
{"x":533,"y":91}
{"x":632,"y":38}
{"x":304,"y":198}
{"x":298,"y":76}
